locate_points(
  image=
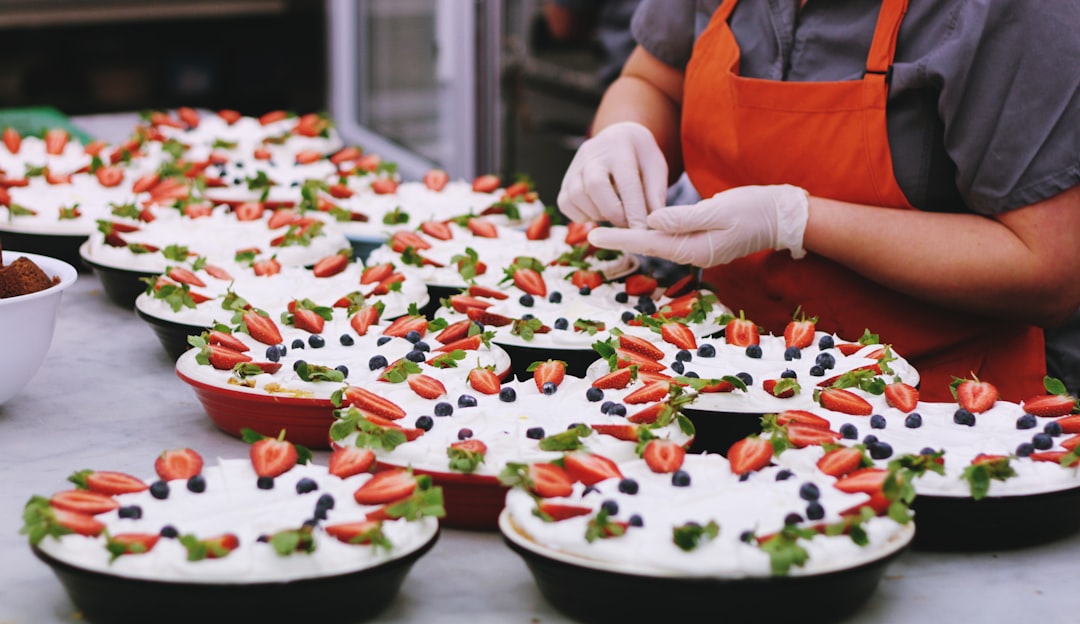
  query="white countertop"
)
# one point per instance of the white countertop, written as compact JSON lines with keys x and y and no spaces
{"x":107,"y":397}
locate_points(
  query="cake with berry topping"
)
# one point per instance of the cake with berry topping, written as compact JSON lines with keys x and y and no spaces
{"x":236,"y":530}
{"x":22,"y":277}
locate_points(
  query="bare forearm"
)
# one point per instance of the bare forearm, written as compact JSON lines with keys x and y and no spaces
{"x":1023,"y":267}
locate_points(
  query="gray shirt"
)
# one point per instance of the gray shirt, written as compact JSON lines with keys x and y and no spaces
{"x":984,"y":100}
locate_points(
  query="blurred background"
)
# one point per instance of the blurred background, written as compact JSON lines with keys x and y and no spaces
{"x":473,"y":86}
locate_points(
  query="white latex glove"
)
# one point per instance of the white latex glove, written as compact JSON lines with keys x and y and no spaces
{"x":727,"y":226}
{"x":619,"y":176}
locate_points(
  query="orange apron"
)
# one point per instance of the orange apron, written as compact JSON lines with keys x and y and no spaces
{"x":831,"y":139}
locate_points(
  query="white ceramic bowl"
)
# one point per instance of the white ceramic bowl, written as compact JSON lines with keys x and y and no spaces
{"x":27,"y":323}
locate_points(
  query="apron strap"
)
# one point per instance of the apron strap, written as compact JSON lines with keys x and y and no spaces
{"x":883,"y":48}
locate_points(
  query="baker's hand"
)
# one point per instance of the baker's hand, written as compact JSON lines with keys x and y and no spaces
{"x":619,"y":176}
{"x":727,"y":226}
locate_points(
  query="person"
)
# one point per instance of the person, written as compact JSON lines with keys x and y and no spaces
{"x":910,"y":168}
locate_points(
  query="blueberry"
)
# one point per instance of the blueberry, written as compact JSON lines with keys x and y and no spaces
{"x":809,"y":491}
{"x":297,"y":344}
{"x":415,"y":356}
{"x":825,"y":360}
{"x":561,"y":323}
{"x":849,"y":431}
{"x":272,"y":354}
{"x":605,"y":407}
{"x":326,"y":501}
{"x":964,"y":417}
{"x":585,"y":290}
{"x":573,"y":426}
{"x":589,"y":489}
{"x":692,"y":374}
{"x":746,"y":378}
{"x":263,"y":539}
{"x":594,"y":394}
{"x":880,"y":450}
{"x":377,"y":361}
{"x":628,"y":486}
{"x":265,"y":483}
{"x":789,"y":374}
{"x":310,"y":522}
{"x":611,"y":507}
{"x":344,"y":370}
{"x":413,"y":336}
{"x":826,"y":342}
{"x":784,"y":475}
{"x":321,"y":514}
{"x":1025,"y":449}
{"x":534,"y":433}
{"x":466,"y":400}
{"x":297,"y":363}
{"x":680,"y":478}
{"x":646,"y":307}
{"x":792,"y":353}
{"x":682,"y":355}
{"x":753,"y":351}
{"x":706,"y":351}
{"x":197,"y":484}
{"x":527,"y":317}
{"x":814,"y":511}
{"x":618,"y":410}
{"x":792,"y":518}
{"x":926,"y":450}
{"x":130,"y":511}
{"x":420,"y":345}
{"x":316,"y":341}
{"x":622,"y":297}
{"x":877,"y":421}
{"x":817,"y":371}
{"x":305,"y":485}
{"x":443,"y":408}
{"x":913,"y":420}
{"x":744,"y":477}
{"x":346,"y":340}
{"x":282,"y":349}
{"x":382,"y":340}
{"x":464,"y":433}
{"x":870,"y":439}
{"x":678,"y":367}
{"x":1042,"y":441}
{"x":159,"y":490}
{"x":507,"y":395}
{"x":747,"y":537}
{"x":1052,"y":429}
{"x":627,"y":316}
{"x":526,"y":300}
{"x":643,"y":299}
{"x":555,"y":297}
{"x":425,"y":423}
{"x":636,"y":521}
{"x":169,"y":532}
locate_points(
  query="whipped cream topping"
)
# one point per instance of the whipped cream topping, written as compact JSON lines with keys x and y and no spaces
{"x":233,"y":504}
{"x":758,"y":505}
{"x":503,"y":425}
{"x":248,"y":133}
{"x":995,"y":432}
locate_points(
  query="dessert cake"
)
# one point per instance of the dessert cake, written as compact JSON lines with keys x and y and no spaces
{"x":23,"y":277}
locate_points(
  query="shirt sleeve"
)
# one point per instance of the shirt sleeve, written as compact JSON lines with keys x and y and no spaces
{"x":1010,"y":101}
{"x":666,"y":29}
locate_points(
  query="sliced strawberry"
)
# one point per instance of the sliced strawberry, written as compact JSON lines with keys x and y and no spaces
{"x":358,"y":532}
{"x":553,"y":371}
{"x":273,"y":117}
{"x":488,"y":318}
{"x":403,"y":239}
{"x":549,"y":480}
{"x":628,"y":433}
{"x":530,"y":281}
{"x":1069,"y":424}
{"x":219,"y":546}
{"x":132,"y":543}
{"x":363,"y":319}
{"x":229,"y":116}
{"x":84,"y":502}
{"x":461,"y":303}
{"x":1055,"y":457}
{"x":558,"y":511}
{"x":437,"y":229}
{"x":402,"y":325}
{"x":436,"y":179}
{"x":198,"y":211}
{"x":369,"y":163}
{"x":249,"y":211}
{"x":589,"y":468}
{"x":800,"y":333}
{"x":681,"y":286}
{"x":653,"y":391}
{"x":641,"y":345}
{"x":975,"y":396}
{"x":1070,"y":444}
{"x":346,"y":461}
{"x":224,"y":358}
{"x":385,"y":487}
{"x":308,"y":320}
{"x":185,"y":276}
{"x":482,"y":227}
{"x":640,"y":284}
{"x":384,"y":286}
{"x":426,"y":386}
{"x":145,"y":183}
{"x":741,"y":332}
{"x":484,"y":380}
{"x":902,"y":396}
{"x":844,"y":401}
{"x":540,"y":228}
{"x":226,"y":340}
{"x":12,"y":139}
{"x":369,"y":401}
{"x":477,"y":290}
{"x":649,"y":415}
{"x":749,"y":454}
{"x":841,"y":461}
{"x":266,"y":268}
{"x":79,"y":523}
{"x":109,"y":176}
{"x":306,"y":157}
{"x":384,"y":186}
{"x":281,"y":217}
{"x":802,"y":417}
{"x":56,"y":139}
{"x":59,"y":178}
{"x":679,"y":335}
{"x":262,"y":328}
{"x":663,"y":456}
{"x":181,"y":463}
{"x":345,"y":154}
{"x":1050,"y":405}
{"x":584,"y":278}
{"x":578,"y":233}
{"x":159,"y":118}
{"x":271,"y":457}
{"x":800,"y":435}
{"x":469,"y":343}
{"x":865,"y":480}
{"x":616,"y":379}
{"x":486,"y":183}
{"x":376,"y":273}
{"x":829,"y":381}
{"x":111,"y":483}
{"x":189,"y":116}
{"x":626,"y":359}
